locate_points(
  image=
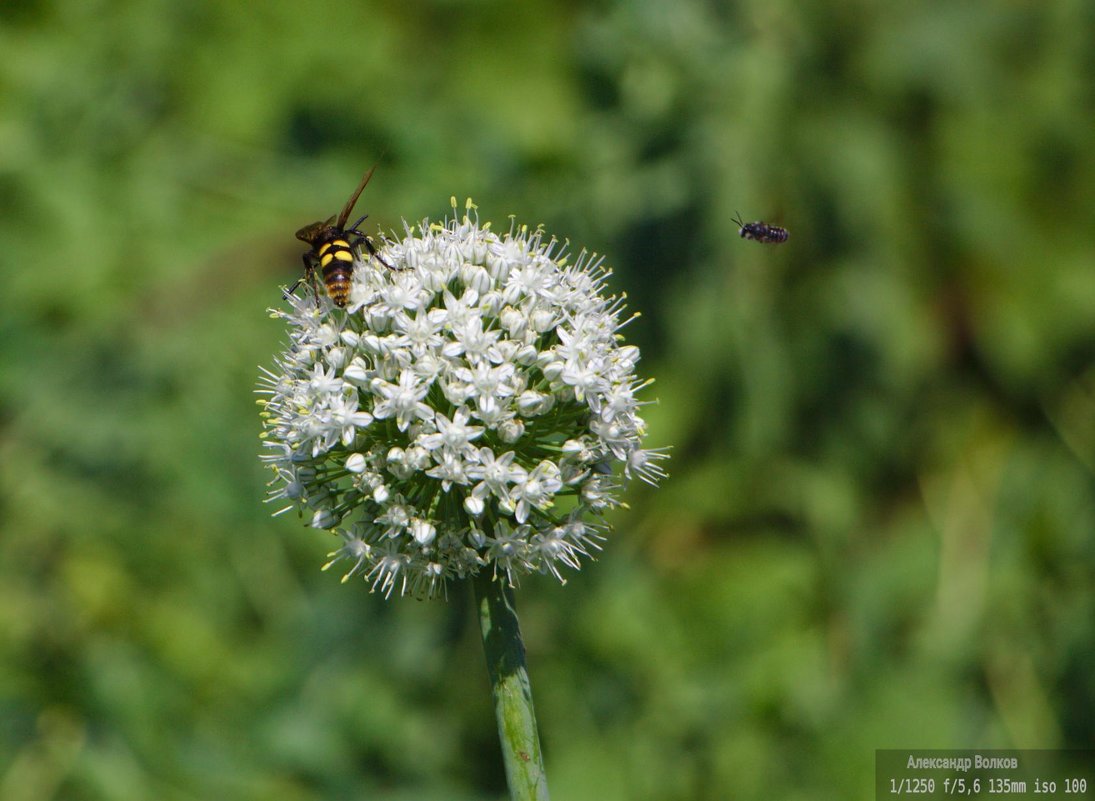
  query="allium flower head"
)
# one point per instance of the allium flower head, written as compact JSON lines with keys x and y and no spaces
{"x":473,"y":408}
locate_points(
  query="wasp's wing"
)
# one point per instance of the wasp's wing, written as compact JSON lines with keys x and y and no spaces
{"x":349,"y":207}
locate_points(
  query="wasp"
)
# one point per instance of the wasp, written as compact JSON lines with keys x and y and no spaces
{"x":332,"y":249}
{"x":761,"y":232}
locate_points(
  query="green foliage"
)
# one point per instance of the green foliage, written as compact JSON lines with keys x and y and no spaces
{"x":878,"y":528}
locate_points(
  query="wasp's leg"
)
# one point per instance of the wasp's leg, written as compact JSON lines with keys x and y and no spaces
{"x":362,"y":239}
{"x":310,"y":270}
{"x":309,"y":276}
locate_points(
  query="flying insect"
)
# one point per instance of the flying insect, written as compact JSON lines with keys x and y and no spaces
{"x":761,"y":232}
{"x":332,"y":249}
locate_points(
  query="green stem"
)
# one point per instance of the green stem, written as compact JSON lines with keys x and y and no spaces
{"x":510,"y":689}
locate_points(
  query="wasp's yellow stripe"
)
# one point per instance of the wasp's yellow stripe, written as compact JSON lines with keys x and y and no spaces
{"x":326,"y":259}
{"x":325,"y":248}
{"x":344,"y":255}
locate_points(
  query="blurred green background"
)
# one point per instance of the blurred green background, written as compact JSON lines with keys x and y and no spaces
{"x":878,"y":528}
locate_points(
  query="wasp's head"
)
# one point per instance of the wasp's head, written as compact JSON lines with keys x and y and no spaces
{"x":310,"y":233}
